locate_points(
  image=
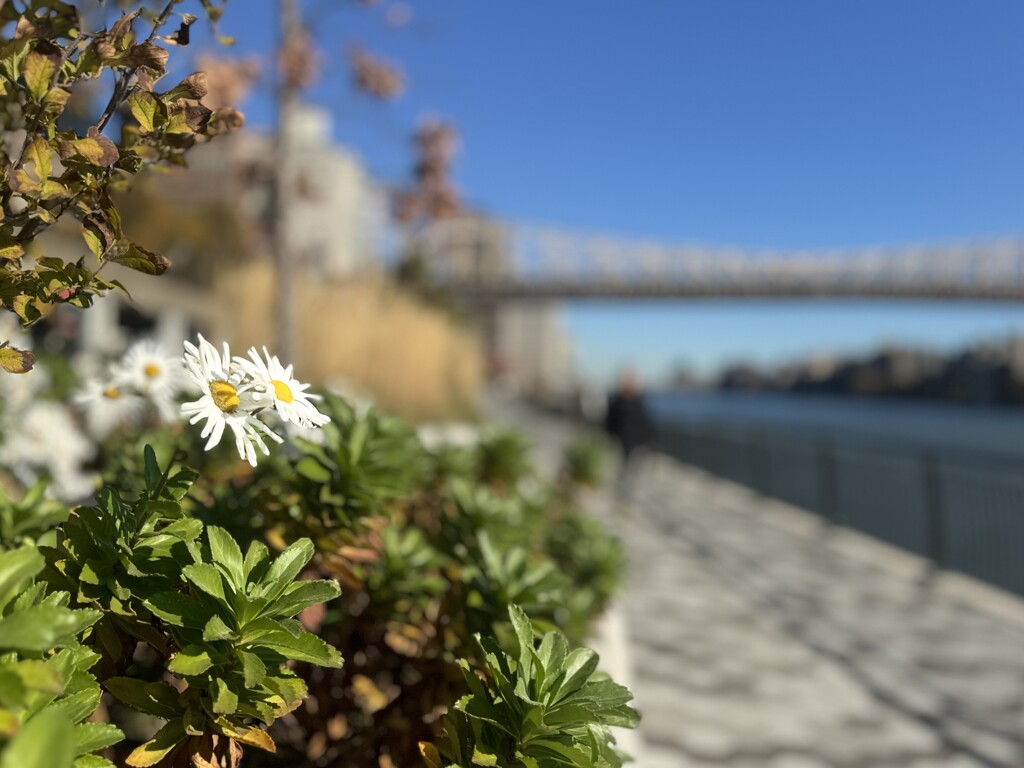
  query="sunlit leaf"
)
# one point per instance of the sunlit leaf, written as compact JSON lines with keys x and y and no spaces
{"x":16,"y":360}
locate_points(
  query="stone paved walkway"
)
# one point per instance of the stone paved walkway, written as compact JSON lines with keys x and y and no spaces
{"x":762,"y":637}
{"x":754,"y":635}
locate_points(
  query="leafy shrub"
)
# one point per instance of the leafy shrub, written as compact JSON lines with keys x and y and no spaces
{"x":503,"y":458}
{"x":219,"y":622}
{"x":542,"y":706}
{"x":46,"y":689}
{"x":134,"y":625}
{"x":585,"y":462}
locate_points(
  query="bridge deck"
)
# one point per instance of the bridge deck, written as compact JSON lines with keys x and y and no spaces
{"x":514,"y":289}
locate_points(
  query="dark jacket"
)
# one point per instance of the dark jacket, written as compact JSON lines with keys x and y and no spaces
{"x":628,"y":421}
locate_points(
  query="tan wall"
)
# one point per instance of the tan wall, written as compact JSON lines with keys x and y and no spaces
{"x":412,"y":358}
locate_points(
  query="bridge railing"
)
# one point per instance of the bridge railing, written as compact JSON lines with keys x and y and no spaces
{"x":478,"y":254}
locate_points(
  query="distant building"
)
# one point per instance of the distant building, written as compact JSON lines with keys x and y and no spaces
{"x":532,"y":351}
{"x":217,"y":217}
{"x":339,"y":223}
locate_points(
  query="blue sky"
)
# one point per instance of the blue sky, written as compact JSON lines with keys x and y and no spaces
{"x":790,"y":123}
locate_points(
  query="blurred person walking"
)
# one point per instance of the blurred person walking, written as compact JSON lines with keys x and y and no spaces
{"x":629,"y":423}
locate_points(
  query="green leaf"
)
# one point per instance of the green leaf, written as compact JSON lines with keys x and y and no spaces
{"x":313,"y":470}
{"x":12,"y":690}
{"x":193,"y":660}
{"x":305,"y":647}
{"x":144,"y":108}
{"x":39,"y":154}
{"x":225,"y":701}
{"x":524,"y":632}
{"x":227,"y":554}
{"x":186,"y":529}
{"x":177,"y":610}
{"x":216,"y":629}
{"x":26,"y":308}
{"x":157,"y":699}
{"x":152,"y":469}
{"x":50,"y":190}
{"x":98,"y":234}
{"x":254,"y":556}
{"x":80,"y":705}
{"x":45,"y":741}
{"x":16,"y":567}
{"x":73,"y":659}
{"x":43,"y":627}
{"x":93,"y":761}
{"x":580,"y":664}
{"x":483,"y":759}
{"x":12,"y":54}
{"x":180,"y":483}
{"x":303,"y":594}
{"x":285,"y":568}
{"x":481,"y":708}
{"x":38,"y":71}
{"x":92,"y":736}
{"x":207,"y":578}
{"x":132,"y":256}
{"x":253,"y":669}
{"x":550,"y":659}
{"x":39,"y":675}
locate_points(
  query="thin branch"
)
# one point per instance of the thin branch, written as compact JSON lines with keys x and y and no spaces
{"x":122,"y":85}
{"x":115,"y":101}
{"x":162,"y":19}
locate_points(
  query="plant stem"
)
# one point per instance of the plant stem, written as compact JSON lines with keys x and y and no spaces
{"x":121,"y":87}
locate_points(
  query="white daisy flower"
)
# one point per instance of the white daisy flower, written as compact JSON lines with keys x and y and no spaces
{"x":108,"y":405}
{"x":154,"y":373}
{"x":274,"y":385}
{"x":18,"y":392}
{"x":42,"y":439}
{"x":226,"y":401}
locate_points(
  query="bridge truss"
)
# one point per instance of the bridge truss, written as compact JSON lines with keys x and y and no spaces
{"x":490,"y":261}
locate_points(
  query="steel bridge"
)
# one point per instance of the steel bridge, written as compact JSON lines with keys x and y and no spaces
{"x":488,"y":261}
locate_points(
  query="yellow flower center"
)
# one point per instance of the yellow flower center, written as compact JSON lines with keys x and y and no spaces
{"x":284,"y":394}
{"x":112,"y":394}
{"x":152,"y":370}
{"x":225,"y":396}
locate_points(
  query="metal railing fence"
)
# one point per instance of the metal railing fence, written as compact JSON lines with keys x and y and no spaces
{"x":962,"y":510}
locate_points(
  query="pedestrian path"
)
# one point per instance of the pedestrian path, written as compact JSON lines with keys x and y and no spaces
{"x":762,"y":636}
{"x":756,"y":635}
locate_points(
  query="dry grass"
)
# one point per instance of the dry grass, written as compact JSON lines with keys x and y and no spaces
{"x":412,"y":358}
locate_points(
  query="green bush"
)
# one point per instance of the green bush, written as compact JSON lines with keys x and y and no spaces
{"x":542,"y":706}
{"x":585,"y":462}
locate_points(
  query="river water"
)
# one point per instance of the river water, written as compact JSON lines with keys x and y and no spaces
{"x":935,"y":426}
